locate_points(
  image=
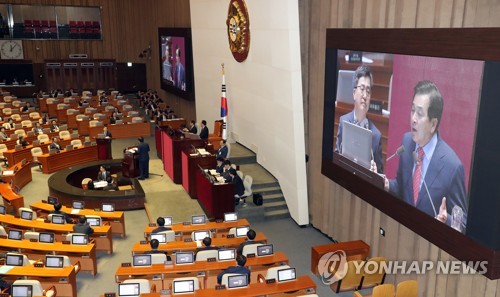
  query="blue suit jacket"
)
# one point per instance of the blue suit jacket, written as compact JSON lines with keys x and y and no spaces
{"x":445,"y":177}
{"x":143,"y":151}
{"x":222,"y":152}
{"x":376,"y":140}
{"x":234,"y":269}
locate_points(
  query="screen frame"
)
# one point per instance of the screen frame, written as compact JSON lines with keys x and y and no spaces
{"x":155,"y":235}
{"x":128,"y":284}
{"x":177,"y":254}
{"x":231,"y":213}
{"x":264,"y":246}
{"x":16,"y":231}
{"x":465,"y":43}
{"x":46,"y":233}
{"x":26,"y":212}
{"x":63,"y":221}
{"x":16,"y":256}
{"x":237,"y":276}
{"x":284,"y":269}
{"x":225,"y":250}
{"x":52,"y":256}
{"x":77,"y":243}
{"x":112,"y":207}
{"x":30,"y":289}
{"x":143,"y":255}
{"x":75,"y":201}
{"x":182,"y":281}
{"x":196,"y":216}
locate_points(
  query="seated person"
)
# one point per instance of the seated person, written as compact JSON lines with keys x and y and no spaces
{"x":160,"y":221}
{"x":26,"y":107}
{"x":103,"y":174}
{"x":112,"y":185}
{"x":55,"y":144}
{"x":82,"y":226}
{"x":250,"y":240}
{"x":154,"y":243}
{"x":44,"y":120}
{"x":113,"y":118}
{"x":207,"y":241}
{"x":226,"y":165}
{"x":3,"y":134}
{"x":219,"y":168}
{"x":240,"y":269}
{"x":10,"y":124}
{"x":192,"y":128}
{"x":38,"y":129}
{"x":57,"y":210}
{"x":22,"y":141}
{"x":239,"y":188}
{"x":223,"y":150}
{"x":53,"y":126}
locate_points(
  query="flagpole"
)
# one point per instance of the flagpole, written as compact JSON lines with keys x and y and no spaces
{"x":223,"y":106}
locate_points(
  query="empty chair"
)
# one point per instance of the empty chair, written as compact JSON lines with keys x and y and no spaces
{"x":376,"y":278}
{"x":351,"y":279}
{"x":7,"y":110}
{"x":272,"y":273}
{"x":36,"y":287}
{"x":71,"y":111}
{"x":95,"y":123}
{"x":170,"y":235}
{"x":3,"y":105}
{"x":35,"y":152}
{"x":43,"y":138}
{"x":27,"y":123}
{"x":86,"y":93}
{"x":64,"y":135}
{"x":69,"y":236}
{"x":383,"y":290}
{"x":85,"y":182}
{"x":21,"y":209}
{"x":408,"y":288}
{"x":204,"y":255}
{"x":34,"y":115}
{"x":144,"y":286}
{"x":2,"y":231}
{"x":158,"y":258}
{"x":98,"y":116}
{"x":50,"y":100}
{"x":20,"y":132}
{"x":250,"y":249}
{"x":81,"y":117}
{"x":31,"y":235}
{"x":194,"y":279}
{"x":16,"y":117}
{"x":62,"y":106}
{"x":76,"y":142}
{"x":7,"y":99}
{"x":6,"y":126}
{"x":16,"y":103}
{"x":136,"y":120}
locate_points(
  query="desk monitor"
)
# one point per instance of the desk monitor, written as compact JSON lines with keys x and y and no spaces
{"x":22,"y":290}
{"x":23,"y":162}
{"x":94,"y":221}
{"x":2,"y":209}
{"x":78,"y":205}
{"x":101,"y":135}
{"x":54,"y":261}
{"x":52,"y":200}
{"x":184,"y":258}
{"x":265,"y":250}
{"x":69,"y":147}
{"x":119,"y":122}
{"x":198,"y":220}
{"x":237,"y":281}
{"x":242,"y":231}
{"x":108,"y":207}
{"x":142,"y":260}
{"x":286,"y":274}
{"x":58,"y":219}
{"x":87,"y":143}
{"x":15,"y":234}
{"x":18,"y":147}
{"x":357,"y":144}
{"x":26,"y":215}
{"x":168,"y":221}
{"x":53,"y":151}
{"x":183,"y":286}
{"x":230,"y":217}
{"x":79,"y":239}
{"x":46,"y":237}
{"x":129,"y":289}
{"x":161,"y":237}
{"x":14,"y":260}
{"x":226,"y":255}
{"x":345,"y":87}
{"x":200,"y":235}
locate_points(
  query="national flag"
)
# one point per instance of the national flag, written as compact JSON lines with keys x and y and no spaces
{"x":223,"y":106}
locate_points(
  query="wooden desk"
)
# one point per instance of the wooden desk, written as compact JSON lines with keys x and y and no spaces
{"x":215,"y":199}
{"x":191,"y":164}
{"x":123,"y":130}
{"x":86,"y":254}
{"x":355,"y":250}
{"x":192,"y":246}
{"x":19,"y":178}
{"x":65,"y":159}
{"x":188,"y":229}
{"x":102,"y":234}
{"x":14,"y":156}
{"x":116,"y":219}
{"x":172,"y":123}
{"x":11,"y":199}
{"x":83,"y":127}
{"x":64,"y":279}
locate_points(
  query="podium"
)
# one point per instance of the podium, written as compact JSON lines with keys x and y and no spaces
{"x":104,"y":149}
{"x":190,"y":164}
{"x":130,"y":163}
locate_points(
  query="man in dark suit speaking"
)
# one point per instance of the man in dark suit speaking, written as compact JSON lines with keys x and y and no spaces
{"x":430,"y":175}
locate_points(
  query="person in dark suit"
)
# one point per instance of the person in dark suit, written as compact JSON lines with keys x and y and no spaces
{"x":57,"y":210}
{"x":192,"y":128}
{"x":226,"y":165}
{"x":26,"y":107}
{"x":143,"y":151}
{"x":106,"y":133}
{"x":240,"y":269}
{"x":53,"y":126}
{"x":207,"y":241}
{"x":160,"y":221}
{"x":3,"y":134}
{"x":223,"y":150}
{"x":250,"y":240}
{"x":10,"y":124}
{"x":55,"y":144}
{"x":204,"y":130}
{"x":154,"y":243}
{"x":22,"y":141}
{"x":239,"y":188}
{"x":219,"y":167}
{"x":103,"y":174}
{"x":113,"y":118}
{"x":362,"y":86}
{"x":427,"y":157}
{"x":38,"y":129}
{"x":82,"y":226}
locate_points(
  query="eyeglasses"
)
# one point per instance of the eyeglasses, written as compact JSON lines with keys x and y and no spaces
{"x":364,"y":89}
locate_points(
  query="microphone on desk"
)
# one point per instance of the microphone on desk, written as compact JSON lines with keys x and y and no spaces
{"x":398,"y":152}
{"x":415,"y":160}
{"x":194,"y":149}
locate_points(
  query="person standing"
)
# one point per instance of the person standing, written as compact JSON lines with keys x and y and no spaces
{"x":204,"y":130}
{"x":143,"y":151}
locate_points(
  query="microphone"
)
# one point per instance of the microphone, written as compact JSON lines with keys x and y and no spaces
{"x":415,"y":160}
{"x":398,"y":152}
{"x":194,"y":149}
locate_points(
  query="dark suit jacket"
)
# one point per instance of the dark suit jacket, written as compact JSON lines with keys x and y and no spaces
{"x":445,"y":177}
{"x":376,"y":140}
{"x":55,"y":146}
{"x":112,"y":120}
{"x":234,"y":269}
{"x":239,"y":188}
{"x":108,"y":134}
{"x":143,"y":151}
{"x":222,"y":152}
{"x":160,"y":229}
{"x":85,"y":229}
{"x":219,"y":169}
{"x":204,"y":133}
{"x":193,"y":130}
{"x":53,"y":128}
{"x":102,"y":176}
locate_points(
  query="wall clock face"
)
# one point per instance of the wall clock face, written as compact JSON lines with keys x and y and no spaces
{"x":11,"y":49}
{"x":238,"y":29}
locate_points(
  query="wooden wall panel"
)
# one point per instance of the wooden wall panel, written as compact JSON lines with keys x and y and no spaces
{"x":334,"y":210}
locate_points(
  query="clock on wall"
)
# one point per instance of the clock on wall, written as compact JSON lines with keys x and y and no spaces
{"x":11,"y":49}
{"x":238,"y":29}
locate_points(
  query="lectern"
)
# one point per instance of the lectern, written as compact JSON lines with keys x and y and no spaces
{"x":130,"y":163}
{"x":104,"y":149}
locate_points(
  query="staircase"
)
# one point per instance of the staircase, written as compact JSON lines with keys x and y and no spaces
{"x":264,"y":183}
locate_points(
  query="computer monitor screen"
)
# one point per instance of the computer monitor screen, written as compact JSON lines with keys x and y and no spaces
{"x":196,"y":220}
{"x":161,"y":237}
{"x":168,"y":221}
{"x":356,"y":144}
{"x":52,"y":200}
{"x":200,"y":235}
{"x":101,"y":135}
{"x":108,"y":207}
{"x":2,"y":209}
{"x":26,"y":215}
{"x":265,"y":250}
{"x":69,"y":147}
{"x":129,"y":289}
{"x":79,"y":239}
{"x":46,"y":237}
{"x":58,"y":219}
{"x":94,"y":221}
{"x":184,"y":286}
{"x":286,"y":274}
{"x":230,"y":217}
{"x":22,"y":291}
{"x":15,"y":234}
{"x":184,"y":258}
{"x":242,"y":231}
{"x":14,"y":260}
{"x":237,"y":281}
{"x":225,"y":255}
{"x":54,"y":261}
{"x":142,"y":260}
{"x":78,"y":204}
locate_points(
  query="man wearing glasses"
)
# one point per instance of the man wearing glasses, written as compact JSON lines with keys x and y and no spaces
{"x":362,"y":87}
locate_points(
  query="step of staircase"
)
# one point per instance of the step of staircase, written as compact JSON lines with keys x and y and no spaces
{"x":277,"y":214}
